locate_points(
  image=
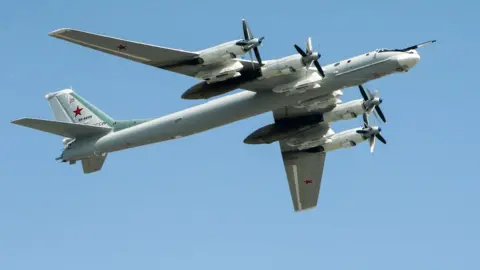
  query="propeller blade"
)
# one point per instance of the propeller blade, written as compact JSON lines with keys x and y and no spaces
{"x":370,"y":95}
{"x":257,"y":55}
{"x":251,"y":57}
{"x":309,"y":49}
{"x":299,"y":50}
{"x":319,"y":68}
{"x":414,"y":47}
{"x":380,"y":138}
{"x":380,"y":113}
{"x":365,"y":120}
{"x":376,"y":115}
{"x":371,"y":141}
{"x":362,"y":91}
{"x":246,"y":30}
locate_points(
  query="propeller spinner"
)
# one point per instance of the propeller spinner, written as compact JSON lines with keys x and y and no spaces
{"x":310,"y":57}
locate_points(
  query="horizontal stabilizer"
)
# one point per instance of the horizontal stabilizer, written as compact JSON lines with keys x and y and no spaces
{"x":93,"y":164}
{"x":69,"y":130}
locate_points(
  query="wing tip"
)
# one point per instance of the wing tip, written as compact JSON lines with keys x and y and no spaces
{"x":298,"y":210}
{"x":59,"y":32}
{"x":20,"y":121}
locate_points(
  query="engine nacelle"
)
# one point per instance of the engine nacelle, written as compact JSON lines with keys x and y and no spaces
{"x":321,"y":102}
{"x":345,"y":139}
{"x":347,"y":144}
{"x":307,"y":144}
{"x":215,"y":57}
{"x":311,"y":140}
{"x":283,"y":66}
{"x":298,"y":87}
{"x":318,"y":103}
{"x":345,"y":111}
{"x":222,"y":73}
{"x":220,"y":53}
{"x":329,"y":142}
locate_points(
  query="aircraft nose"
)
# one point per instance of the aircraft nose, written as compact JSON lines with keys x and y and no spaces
{"x":408,"y":60}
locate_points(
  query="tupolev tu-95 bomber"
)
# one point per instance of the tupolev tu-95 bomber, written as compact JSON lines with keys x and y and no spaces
{"x":303,"y":95}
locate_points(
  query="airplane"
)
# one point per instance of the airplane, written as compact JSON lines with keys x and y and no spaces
{"x":303,"y":96}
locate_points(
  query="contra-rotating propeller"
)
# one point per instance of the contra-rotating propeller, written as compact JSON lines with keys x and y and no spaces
{"x":250,"y":42}
{"x":371,"y":133}
{"x":310,"y":57}
{"x":372,"y":101}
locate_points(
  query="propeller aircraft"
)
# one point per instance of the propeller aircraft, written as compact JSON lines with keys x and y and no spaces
{"x":303,"y":95}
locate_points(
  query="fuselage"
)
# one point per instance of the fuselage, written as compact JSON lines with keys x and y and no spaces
{"x":245,"y":104}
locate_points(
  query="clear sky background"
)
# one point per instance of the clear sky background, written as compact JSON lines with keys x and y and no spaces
{"x":210,"y":201}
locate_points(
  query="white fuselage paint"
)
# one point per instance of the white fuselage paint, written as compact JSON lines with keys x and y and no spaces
{"x":236,"y":107}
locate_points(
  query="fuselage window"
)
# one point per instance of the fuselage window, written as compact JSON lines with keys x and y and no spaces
{"x":349,"y":61}
{"x":337,"y":64}
{"x":367,"y":54}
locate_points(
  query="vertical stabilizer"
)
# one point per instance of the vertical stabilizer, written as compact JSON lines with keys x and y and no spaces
{"x":93,"y":164}
{"x":69,"y":107}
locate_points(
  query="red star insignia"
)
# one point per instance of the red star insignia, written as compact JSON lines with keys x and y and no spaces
{"x":122,"y":47}
{"x":377,"y":75}
{"x":78,"y":111}
{"x":308,"y":181}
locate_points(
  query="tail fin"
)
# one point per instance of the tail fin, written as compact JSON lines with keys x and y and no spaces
{"x":68,"y":106}
{"x":93,"y":164}
{"x":77,"y":118}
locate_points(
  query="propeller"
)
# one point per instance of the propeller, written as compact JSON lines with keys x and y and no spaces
{"x":250,"y":42}
{"x":372,"y":101}
{"x":371,"y":133}
{"x":310,"y":57}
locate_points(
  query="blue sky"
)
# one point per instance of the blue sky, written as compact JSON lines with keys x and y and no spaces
{"x":210,"y":201}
